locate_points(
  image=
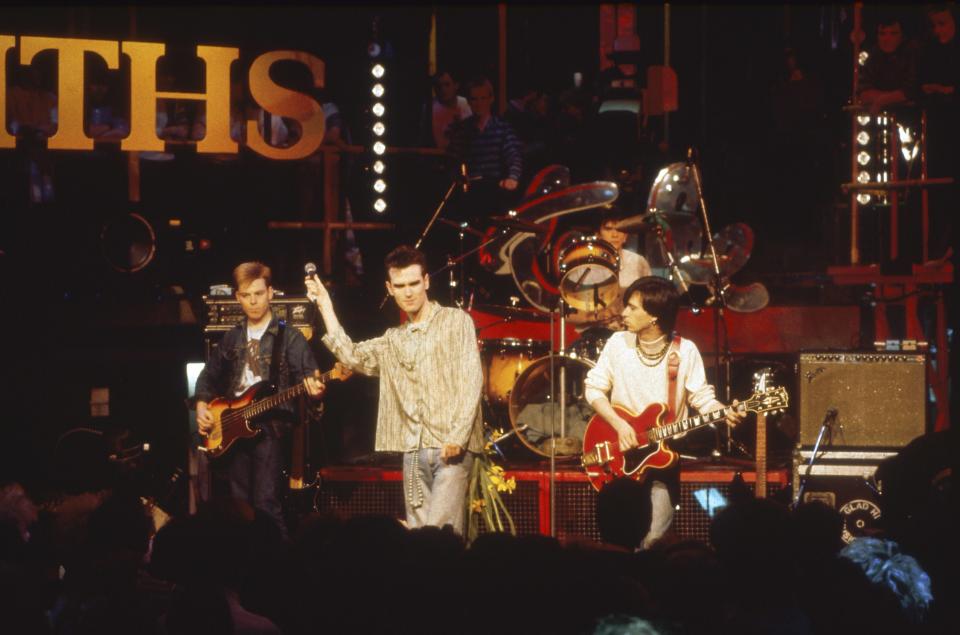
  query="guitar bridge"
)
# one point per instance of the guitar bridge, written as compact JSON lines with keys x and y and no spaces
{"x":600,"y":455}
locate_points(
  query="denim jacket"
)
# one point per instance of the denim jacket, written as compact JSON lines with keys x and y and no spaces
{"x":222,"y":375}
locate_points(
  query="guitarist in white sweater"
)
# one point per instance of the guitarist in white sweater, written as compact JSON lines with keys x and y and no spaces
{"x":633,"y":372}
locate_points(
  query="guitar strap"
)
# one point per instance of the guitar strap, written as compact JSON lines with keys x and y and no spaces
{"x":277,"y":354}
{"x":673,"y":368}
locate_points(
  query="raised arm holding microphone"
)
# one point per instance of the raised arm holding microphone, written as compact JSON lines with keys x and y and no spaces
{"x":430,"y":386}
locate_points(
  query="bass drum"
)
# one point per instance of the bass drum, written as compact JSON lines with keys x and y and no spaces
{"x":534,"y":406}
{"x":503,"y":362}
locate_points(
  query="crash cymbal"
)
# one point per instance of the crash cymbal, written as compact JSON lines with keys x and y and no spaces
{"x":461,"y":226}
{"x":512,"y":312}
{"x":733,"y":244}
{"x":514,"y":222}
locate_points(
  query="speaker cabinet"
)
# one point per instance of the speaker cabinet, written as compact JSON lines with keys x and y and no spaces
{"x":880,"y":398}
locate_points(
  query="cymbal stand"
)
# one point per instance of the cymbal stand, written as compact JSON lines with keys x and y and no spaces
{"x":433,"y":219}
{"x":721,"y":358}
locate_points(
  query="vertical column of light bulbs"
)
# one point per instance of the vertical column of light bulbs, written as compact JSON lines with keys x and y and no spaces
{"x":880,"y":160}
{"x":379,"y":130}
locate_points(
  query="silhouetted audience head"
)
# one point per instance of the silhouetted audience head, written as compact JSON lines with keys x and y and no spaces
{"x":886,"y":566}
{"x":624,"y":512}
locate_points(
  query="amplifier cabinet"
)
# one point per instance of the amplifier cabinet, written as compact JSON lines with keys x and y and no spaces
{"x":850,"y":489}
{"x":224,"y":312}
{"x":880,"y":398}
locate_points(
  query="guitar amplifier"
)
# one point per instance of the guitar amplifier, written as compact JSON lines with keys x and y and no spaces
{"x":224,"y":312}
{"x":879,"y":398}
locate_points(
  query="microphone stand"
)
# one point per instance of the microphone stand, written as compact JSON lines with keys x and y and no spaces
{"x":720,"y":304}
{"x":827,"y":424}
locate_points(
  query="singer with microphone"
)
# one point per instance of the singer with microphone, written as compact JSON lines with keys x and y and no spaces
{"x":430,"y":386}
{"x":261,"y":347}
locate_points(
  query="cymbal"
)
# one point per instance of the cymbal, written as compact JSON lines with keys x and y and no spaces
{"x":512,"y":312}
{"x":516,"y":223}
{"x":464,"y":226}
{"x":638,"y":223}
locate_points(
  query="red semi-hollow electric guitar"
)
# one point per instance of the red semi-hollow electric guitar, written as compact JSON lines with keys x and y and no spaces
{"x":233,"y":417}
{"x":603,"y":461}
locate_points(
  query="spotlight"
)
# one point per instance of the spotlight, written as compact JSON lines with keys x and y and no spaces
{"x":378,"y":109}
{"x":863,"y":138}
{"x":378,"y":70}
{"x":380,"y":185}
{"x":863,"y":119}
{"x":863,"y":177}
{"x":863,"y":198}
{"x":379,"y":129}
{"x":379,"y":147}
{"x":380,"y":205}
{"x":378,"y":166}
{"x":863,"y":158}
{"x":377,"y":90}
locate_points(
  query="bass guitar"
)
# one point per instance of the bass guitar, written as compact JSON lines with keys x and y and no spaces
{"x":603,"y":461}
{"x":232,"y":418}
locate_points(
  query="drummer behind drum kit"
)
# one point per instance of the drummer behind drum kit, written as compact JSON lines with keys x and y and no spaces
{"x":577,"y":274}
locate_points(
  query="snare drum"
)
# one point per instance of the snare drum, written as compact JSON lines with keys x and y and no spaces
{"x":590,"y":273}
{"x":503,"y":361}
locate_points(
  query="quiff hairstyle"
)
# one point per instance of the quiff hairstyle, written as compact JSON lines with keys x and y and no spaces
{"x":404,"y":256}
{"x":247,"y":272}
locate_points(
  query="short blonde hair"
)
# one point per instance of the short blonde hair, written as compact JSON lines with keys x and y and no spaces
{"x":247,"y":272}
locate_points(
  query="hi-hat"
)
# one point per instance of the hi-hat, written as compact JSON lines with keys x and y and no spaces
{"x":465,"y":227}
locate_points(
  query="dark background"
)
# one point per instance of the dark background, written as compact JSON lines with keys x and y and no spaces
{"x":72,"y":323}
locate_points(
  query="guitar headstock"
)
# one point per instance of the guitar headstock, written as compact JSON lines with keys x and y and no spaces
{"x":761,"y":379}
{"x":772,"y":399}
{"x":339,"y":371}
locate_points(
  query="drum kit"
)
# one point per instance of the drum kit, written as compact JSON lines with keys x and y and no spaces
{"x":572,"y":277}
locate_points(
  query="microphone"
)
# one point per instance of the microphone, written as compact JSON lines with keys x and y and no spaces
{"x":310,"y":269}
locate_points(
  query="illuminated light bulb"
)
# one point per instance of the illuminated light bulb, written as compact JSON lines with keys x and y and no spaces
{"x":378,"y":70}
{"x":862,"y":58}
{"x":863,"y":158}
{"x":380,"y":205}
{"x":380,"y":185}
{"x":379,"y":167}
{"x":379,"y":129}
{"x":378,"y":109}
{"x":863,"y":198}
{"x":863,"y":138}
{"x":379,"y":147}
{"x":863,"y":177}
{"x":377,"y":90}
{"x":863,"y":120}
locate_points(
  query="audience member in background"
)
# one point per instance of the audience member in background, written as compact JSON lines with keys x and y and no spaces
{"x":889,"y":76}
{"x":489,"y":148}
{"x":446,"y":109}
{"x":527,"y":113}
{"x":939,"y":77}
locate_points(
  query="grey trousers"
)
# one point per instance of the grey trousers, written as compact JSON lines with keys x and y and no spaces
{"x":434,"y":491}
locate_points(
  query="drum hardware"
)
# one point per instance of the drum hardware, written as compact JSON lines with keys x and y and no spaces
{"x":514,"y":222}
{"x":463,"y":227}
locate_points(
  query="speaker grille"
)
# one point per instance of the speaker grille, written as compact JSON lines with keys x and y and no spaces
{"x":879,"y":397}
{"x":380,"y":492}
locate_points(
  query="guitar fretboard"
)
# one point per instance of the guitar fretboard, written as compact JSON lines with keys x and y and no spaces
{"x":684,"y":425}
{"x":271,"y":402}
